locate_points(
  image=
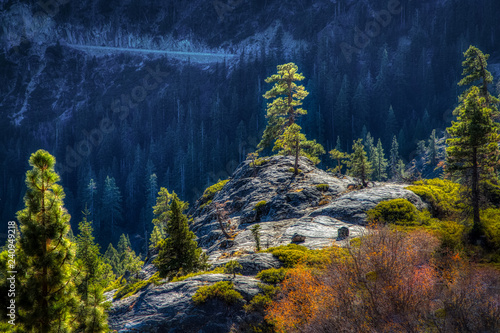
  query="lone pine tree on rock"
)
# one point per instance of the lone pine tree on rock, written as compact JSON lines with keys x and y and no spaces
{"x":47,"y":297}
{"x":282,"y":114}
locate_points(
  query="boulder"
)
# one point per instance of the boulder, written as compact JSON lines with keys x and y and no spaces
{"x":298,"y":238}
{"x":343,"y":233}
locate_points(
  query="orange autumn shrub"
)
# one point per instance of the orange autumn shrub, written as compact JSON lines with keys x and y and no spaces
{"x":303,"y":289}
{"x":389,"y":282}
{"x":383,"y":284}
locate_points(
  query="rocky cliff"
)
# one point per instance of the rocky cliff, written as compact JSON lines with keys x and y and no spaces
{"x":309,"y":209}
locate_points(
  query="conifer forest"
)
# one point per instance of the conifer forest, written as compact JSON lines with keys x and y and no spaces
{"x":249,"y":166}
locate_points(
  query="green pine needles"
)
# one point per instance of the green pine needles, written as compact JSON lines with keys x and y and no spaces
{"x":58,"y":290}
{"x":282,"y":114}
{"x":47,"y":295}
{"x":473,"y":153}
{"x":179,"y":252}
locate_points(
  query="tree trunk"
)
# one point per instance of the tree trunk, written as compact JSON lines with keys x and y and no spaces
{"x":475,"y":233}
{"x":296,"y":166}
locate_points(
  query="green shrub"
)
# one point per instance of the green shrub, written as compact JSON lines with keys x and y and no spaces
{"x":442,"y":195}
{"x":323,"y":187}
{"x":132,"y":288}
{"x":292,"y":254}
{"x":116,"y":284}
{"x":211,"y":191}
{"x":260,"y":161}
{"x":396,"y":211}
{"x":202,"y":206}
{"x":491,"y":192}
{"x":231,"y":267}
{"x":272,"y":275}
{"x":223,"y":290}
{"x":262,"y":300}
{"x":490,"y":219}
{"x":260,"y":208}
{"x":217,"y":270}
{"x":292,"y":170}
{"x":450,"y":233}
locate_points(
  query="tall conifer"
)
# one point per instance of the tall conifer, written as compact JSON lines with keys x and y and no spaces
{"x":47,"y":297}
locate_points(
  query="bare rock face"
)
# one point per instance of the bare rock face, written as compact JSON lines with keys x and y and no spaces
{"x":314,"y":209}
{"x":169,"y":308}
{"x":352,"y":206}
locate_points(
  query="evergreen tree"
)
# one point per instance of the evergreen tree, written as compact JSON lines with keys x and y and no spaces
{"x":475,"y":69}
{"x":472,"y":152}
{"x":342,"y":112}
{"x":293,"y":142}
{"x":179,"y":252}
{"x":282,"y":114}
{"x":369,"y":147}
{"x":94,"y":275}
{"x":157,"y":235}
{"x":285,"y":108}
{"x":112,"y":258}
{"x":390,"y":125}
{"x":90,"y":194}
{"x":360,"y":107}
{"x":358,"y":163}
{"x":337,"y":156}
{"x":151,"y":191}
{"x":338,"y":144}
{"x":111,"y":210}
{"x":128,"y":260}
{"x":394,"y":159}
{"x":473,"y":148}
{"x":379,"y":162}
{"x":47,"y":297}
{"x":432,"y":148}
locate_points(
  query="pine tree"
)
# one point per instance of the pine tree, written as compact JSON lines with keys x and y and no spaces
{"x":475,"y":69}
{"x":111,"y":211}
{"x":390,"y":125}
{"x":112,"y":258}
{"x":369,"y":147}
{"x":379,"y":162}
{"x":282,"y":114}
{"x":432,"y":148}
{"x":342,"y":111}
{"x":151,"y":191}
{"x":472,"y":152}
{"x":285,"y":108}
{"x":90,"y":194}
{"x":94,"y":275}
{"x":394,"y":159}
{"x":293,"y":142}
{"x":179,"y":252}
{"x":337,"y":156}
{"x":47,"y":297}
{"x":128,"y":260}
{"x":473,"y":148}
{"x":358,"y":163}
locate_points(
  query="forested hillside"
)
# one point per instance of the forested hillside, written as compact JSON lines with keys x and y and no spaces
{"x":122,"y":124}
